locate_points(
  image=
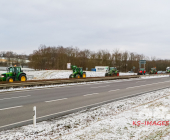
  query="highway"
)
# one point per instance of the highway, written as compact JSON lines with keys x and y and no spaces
{"x":16,"y":107}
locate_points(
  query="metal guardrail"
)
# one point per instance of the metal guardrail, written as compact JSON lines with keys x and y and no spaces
{"x":60,"y":81}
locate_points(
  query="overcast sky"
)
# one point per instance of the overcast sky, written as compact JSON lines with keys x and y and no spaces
{"x":141,"y":26}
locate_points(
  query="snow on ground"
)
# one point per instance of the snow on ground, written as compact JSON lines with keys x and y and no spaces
{"x":110,"y":121}
{"x":2,"y":72}
{"x":124,"y":73}
{"x":156,"y":76}
{"x":59,"y":74}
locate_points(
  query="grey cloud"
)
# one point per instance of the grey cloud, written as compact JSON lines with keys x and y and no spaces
{"x":140,"y":26}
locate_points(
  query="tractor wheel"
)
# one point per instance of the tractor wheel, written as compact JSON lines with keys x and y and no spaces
{"x":71,"y":76}
{"x":22,"y":78}
{"x":10,"y":79}
{"x":84,"y":75}
{"x":78,"y":76}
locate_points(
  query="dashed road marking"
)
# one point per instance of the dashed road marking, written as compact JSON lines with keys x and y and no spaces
{"x":101,"y":86}
{"x":10,"y":108}
{"x":14,"y":97}
{"x":56,"y":100}
{"x":90,"y":94}
{"x":113,"y":90}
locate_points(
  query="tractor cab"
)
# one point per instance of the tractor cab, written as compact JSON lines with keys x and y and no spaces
{"x":80,"y":68}
{"x":168,"y":69}
{"x":113,"y":68}
{"x":14,"y":70}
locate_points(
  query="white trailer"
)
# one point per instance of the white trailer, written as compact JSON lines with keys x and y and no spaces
{"x":102,"y":68}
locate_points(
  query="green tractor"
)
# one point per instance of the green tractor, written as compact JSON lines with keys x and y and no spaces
{"x":112,"y":72}
{"x":13,"y":74}
{"x":77,"y":72}
{"x":153,"y":71}
{"x":141,"y":71}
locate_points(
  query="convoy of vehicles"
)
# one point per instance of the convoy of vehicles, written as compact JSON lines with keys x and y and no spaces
{"x":13,"y":74}
{"x":16,"y":74}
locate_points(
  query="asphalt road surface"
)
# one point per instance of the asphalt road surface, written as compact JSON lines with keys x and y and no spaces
{"x":16,"y":107}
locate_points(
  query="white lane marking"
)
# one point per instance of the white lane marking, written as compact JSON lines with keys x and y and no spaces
{"x":10,"y":107}
{"x":14,"y":97}
{"x":140,"y":81}
{"x":130,"y":87}
{"x":56,"y":100}
{"x":100,"y":86}
{"x":90,"y":94}
{"x":133,"y":87}
{"x":113,"y":90}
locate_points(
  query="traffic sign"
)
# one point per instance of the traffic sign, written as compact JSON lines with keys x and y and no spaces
{"x":142,"y":61}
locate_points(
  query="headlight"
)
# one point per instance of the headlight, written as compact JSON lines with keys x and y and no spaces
{"x":2,"y":76}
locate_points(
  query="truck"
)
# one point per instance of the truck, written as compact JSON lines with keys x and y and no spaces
{"x":77,"y":72}
{"x":13,"y":74}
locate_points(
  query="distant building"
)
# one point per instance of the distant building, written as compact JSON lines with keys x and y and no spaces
{"x":3,"y":59}
{"x":11,"y":61}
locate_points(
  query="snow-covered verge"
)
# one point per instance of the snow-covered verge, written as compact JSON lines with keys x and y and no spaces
{"x":59,"y":74}
{"x":109,"y":121}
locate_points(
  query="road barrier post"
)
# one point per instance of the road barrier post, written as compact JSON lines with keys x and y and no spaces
{"x":34,"y":116}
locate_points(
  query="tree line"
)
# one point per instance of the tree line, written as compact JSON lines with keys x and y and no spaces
{"x":52,"y":57}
